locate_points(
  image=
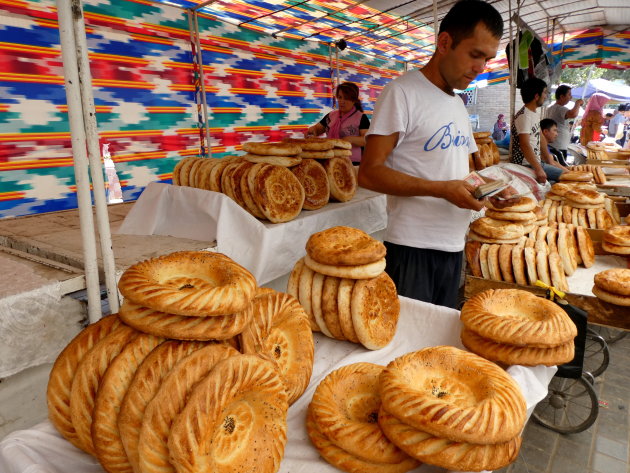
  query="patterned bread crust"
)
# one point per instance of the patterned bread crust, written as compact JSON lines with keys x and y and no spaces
{"x":330,"y":311}
{"x":615,"y":280}
{"x":363,"y":271}
{"x":280,"y":329}
{"x":344,"y":246}
{"x":278,"y":193}
{"x":234,"y":420}
{"x":182,"y":327}
{"x":111,"y":391}
{"x":459,"y":456}
{"x":517,"y":317}
{"x":312,"y":176}
{"x":517,"y":355}
{"x":347,"y":462}
{"x":342,"y":179}
{"x":375,"y":309}
{"x":345,"y":408}
{"x":170,"y":399}
{"x":193,"y":283}
{"x":143,"y":387}
{"x":453,"y":394}
{"x":62,"y":374}
{"x":86,"y":381}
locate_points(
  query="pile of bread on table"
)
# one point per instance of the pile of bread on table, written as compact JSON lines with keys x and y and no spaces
{"x":487,"y":154}
{"x":342,"y":285}
{"x":515,"y":244}
{"x":276,"y":180}
{"x":196,"y":371}
{"x":613,"y":285}
{"x":199,"y":368}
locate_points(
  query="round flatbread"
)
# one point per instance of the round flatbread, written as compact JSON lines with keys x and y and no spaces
{"x":342,"y":179}
{"x":344,"y":300}
{"x":346,"y":246}
{"x":272,"y":149}
{"x":471,"y":251}
{"x":375,"y":309}
{"x":615,"y":280}
{"x":328,"y":154}
{"x":314,"y":180}
{"x":278,"y":193}
{"x":284,"y":161}
{"x":363,"y":271}
{"x":312,"y":144}
{"x":316,"y":303}
{"x":330,"y":311}
{"x":611,"y":297}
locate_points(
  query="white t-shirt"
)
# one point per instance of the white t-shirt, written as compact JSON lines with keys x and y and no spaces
{"x":525,"y":122}
{"x":558,"y":113}
{"x":435,"y":138}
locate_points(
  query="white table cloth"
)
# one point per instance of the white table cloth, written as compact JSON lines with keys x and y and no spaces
{"x":42,"y":450}
{"x":268,"y":250}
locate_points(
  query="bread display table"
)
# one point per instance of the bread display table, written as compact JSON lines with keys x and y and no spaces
{"x":41,"y":448}
{"x":268,"y":250}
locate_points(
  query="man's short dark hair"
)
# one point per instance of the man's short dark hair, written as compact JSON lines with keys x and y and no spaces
{"x":562,"y":90}
{"x":531,"y":87}
{"x":547,"y":123}
{"x":623,"y":107}
{"x":463,"y":17}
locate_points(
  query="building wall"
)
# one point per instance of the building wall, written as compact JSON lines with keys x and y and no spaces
{"x":491,"y":101}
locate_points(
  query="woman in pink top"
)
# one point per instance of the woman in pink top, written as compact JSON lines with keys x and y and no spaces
{"x":593,"y":119}
{"x":348,"y":122}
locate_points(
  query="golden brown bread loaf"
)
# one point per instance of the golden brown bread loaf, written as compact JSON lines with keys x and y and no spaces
{"x":375,"y":309}
{"x":362,"y":271}
{"x":143,"y":387}
{"x":517,"y":317}
{"x":496,"y":229}
{"x":344,"y":309}
{"x":280,"y":329}
{"x":234,"y":420}
{"x":182,"y":327}
{"x":312,"y":143}
{"x":193,"y":283}
{"x":111,"y":391}
{"x":330,"y":309}
{"x":278,"y":193}
{"x":453,"y":394}
{"x":345,"y":408}
{"x":63,"y":371}
{"x":281,"y":161}
{"x":615,"y":280}
{"x":611,"y":297}
{"x":342,"y":179}
{"x":445,"y":453}
{"x":250,"y":204}
{"x":168,"y":402}
{"x":517,"y":355}
{"x":617,"y":235}
{"x":346,"y":246}
{"x":343,"y":460}
{"x":314,"y":180}
{"x":272,"y":149}
{"x":87,"y":378}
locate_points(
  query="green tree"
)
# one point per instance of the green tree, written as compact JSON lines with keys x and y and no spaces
{"x":579,"y":75}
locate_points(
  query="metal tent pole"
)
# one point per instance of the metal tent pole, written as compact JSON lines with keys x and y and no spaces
{"x":206,"y":124}
{"x":96,"y":170}
{"x":77,"y":132}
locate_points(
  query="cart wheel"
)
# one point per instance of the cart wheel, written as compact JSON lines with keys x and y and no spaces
{"x":571,"y":406}
{"x":596,"y":354}
{"x":610,"y":335}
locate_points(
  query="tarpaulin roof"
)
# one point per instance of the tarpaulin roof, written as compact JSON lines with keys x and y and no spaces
{"x":618,"y":92}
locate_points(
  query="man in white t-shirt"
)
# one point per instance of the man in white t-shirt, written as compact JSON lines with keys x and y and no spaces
{"x":528,"y":145}
{"x":561,"y":114}
{"x":417,"y":152}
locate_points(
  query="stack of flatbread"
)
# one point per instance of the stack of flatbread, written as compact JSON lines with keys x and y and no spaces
{"x":280,"y":154}
{"x":598,"y":173}
{"x":488,"y":152}
{"x":342,"y":285}
{"x":134,"y":398}
{"x":613,"y":285}
{"x":342,"y":422}
{"x":581,"y":205}
{"x":616,"y":240}
{"x":515,"y":327}
{"x":492,"y":230}
{"x":450,"y":408}
{"x":522,"y":211}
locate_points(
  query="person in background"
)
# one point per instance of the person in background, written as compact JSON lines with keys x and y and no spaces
{"x":500,"y":128}
{"x":607,"y":119}
{"x":348,"y":122}
{"x":527,"y":142}
{"x":593,"y":118}
{"x":617,"y":121}
{"x":549,"y":130}
{"x":417,"y":153}
{"x":561,"y":114}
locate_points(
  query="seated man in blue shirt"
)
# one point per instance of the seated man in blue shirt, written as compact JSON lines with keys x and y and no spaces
{"x":549,"y":129}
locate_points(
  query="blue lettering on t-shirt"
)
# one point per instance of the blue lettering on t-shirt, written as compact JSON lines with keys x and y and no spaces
{"x":445,"y":137}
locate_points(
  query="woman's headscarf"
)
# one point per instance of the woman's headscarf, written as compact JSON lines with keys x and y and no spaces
{"x":596,"y":103}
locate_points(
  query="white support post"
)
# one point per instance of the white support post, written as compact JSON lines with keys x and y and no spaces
{"x":77,"y":132}
{"x":202,"y":80}
{"x":94,"y":155}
